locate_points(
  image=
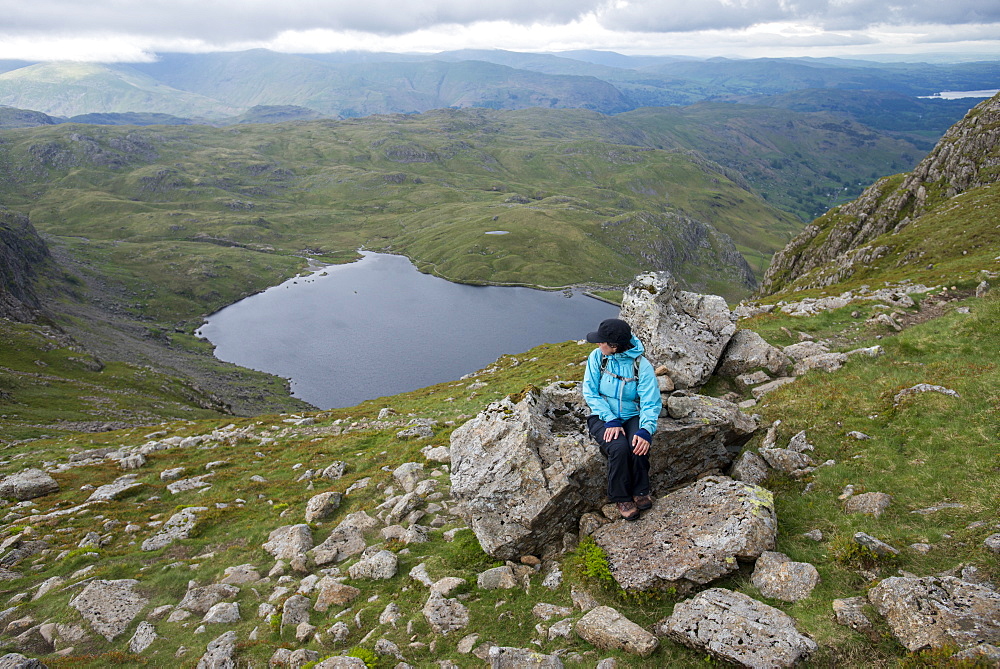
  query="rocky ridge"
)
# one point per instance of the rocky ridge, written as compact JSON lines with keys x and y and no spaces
{"x":964,"y":159}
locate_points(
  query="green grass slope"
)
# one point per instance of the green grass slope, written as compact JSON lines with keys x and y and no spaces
{"x":580,"y":204}
{"x":924,"y":450}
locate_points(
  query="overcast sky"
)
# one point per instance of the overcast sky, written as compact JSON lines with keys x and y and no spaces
{"x":132,"y":30}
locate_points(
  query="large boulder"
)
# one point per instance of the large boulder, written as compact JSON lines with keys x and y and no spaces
{"x":682,"y":331}
{"x":523,"y":473}
{"x":736,"y":628}
{"x":748,"y":352}
{"x":109,"y":606}
{"x":692,"y":536}
{"x":938,"y":611}
{"x":27,"y":484}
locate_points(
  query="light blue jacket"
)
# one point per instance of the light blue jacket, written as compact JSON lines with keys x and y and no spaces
{"x":610,"y":397}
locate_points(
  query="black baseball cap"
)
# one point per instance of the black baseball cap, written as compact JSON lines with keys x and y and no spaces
{"x":611,"y":331}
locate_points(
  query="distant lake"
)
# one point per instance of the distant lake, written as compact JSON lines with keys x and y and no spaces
{"x":377,"y":327}
{"x":956,"y":95}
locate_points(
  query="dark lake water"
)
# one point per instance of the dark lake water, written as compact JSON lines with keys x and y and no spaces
{"x":379,"y":327}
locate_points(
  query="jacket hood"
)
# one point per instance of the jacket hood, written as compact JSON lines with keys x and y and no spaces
{"x":634,"y":352}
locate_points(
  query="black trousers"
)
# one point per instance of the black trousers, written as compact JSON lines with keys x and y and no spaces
{"x":628,"y":473}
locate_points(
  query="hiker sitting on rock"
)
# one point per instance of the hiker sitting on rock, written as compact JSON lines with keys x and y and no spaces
{"x":621,"y":390}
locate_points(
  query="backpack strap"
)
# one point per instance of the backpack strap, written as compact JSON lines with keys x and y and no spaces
{"x":635,"y":369}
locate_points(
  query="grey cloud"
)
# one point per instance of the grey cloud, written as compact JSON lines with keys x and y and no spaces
{"x":690,"y":15}
{"x":218,"y":20}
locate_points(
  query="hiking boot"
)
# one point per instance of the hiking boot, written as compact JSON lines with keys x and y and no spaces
{"x":628,"y":510}
{"x":643,"y":502}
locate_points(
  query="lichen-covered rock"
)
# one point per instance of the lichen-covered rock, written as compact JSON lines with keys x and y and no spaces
{"x":27,"y":484}
{"x":293,"y":659}
{"x":109,"y":606}
{"x":18,"y":661}
{"x":375,"y":564}
{"x":682,"y":331}
{"x":608,"y":629}
{"x":786,"y":460}
{"x":523,"y":472}
{"x":322,"y":506}
{"x":496,"y":578}
{"x":748,"y":352}
{"x":145,"y":635}
{"x":223,"y":613}
{"x":295,"y":611}
{"x":289,"y":542}
{"x":445,"y":615}
{"x":201,"y":599}
{"x":739,"y":629}
{"x":692,"y":536}
{"x":240,"y":574}
{"x":850,"y":613}
{"x":871,"y":503}
{"x":220,"y":652}
{"x":750,"y":468}
{"x":334,"y":593}
{"x":938,"y":611}
{"x":106,"y":493}
{"x":408,"y":475}
{"x":507,"y":657}
{"x":346,"y":540}
{"x":778,"y":577}
{"x":178,"y":527}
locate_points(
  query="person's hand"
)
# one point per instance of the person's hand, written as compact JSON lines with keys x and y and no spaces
{"x":639,"y":445}
{"x":612,"y":432}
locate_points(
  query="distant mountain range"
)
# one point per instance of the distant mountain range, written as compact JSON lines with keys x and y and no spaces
{"x":216,"y":87}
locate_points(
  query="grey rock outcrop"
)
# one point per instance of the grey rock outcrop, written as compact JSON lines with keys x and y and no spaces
{"x":522,"y":473}
{"x":445,"y":615}
{"x":850,"y":613}
{"x":219,"y":653}
{"x":682,"y":331}
{"x":178,"y":527}
{"x":18,"y":661}
{"x":346,"y":540}
{"x":608,"y":629}
{"x":748,"y":352}
{"x":27,"y":484}
{"x":507,"y":657}
{"x":932,"y":612}
{"x":322,"y":506}
{"x":375,"y":564}
{"x":750,"y":468}
{"x":871,"y":503}
{"x":692,"y":536}
{"x":202,"y":599}
{"x":109,"y":606}
{"x":289,"y":542}
{"x":736,"y":628}
{"x":106,"y":493}
{"x":145,"y":635}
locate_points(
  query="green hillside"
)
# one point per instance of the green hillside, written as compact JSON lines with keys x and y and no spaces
{"x":68,"y":89}
{"x":804,"y":163}
{"x":589,"y":207}
{"x":934,"y":224}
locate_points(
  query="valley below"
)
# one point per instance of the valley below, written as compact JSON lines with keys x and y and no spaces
{"x":827,"y":258}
